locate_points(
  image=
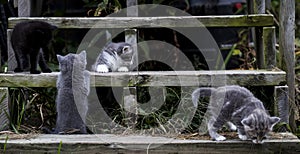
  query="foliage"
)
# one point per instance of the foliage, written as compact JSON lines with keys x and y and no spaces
{"x":32,"y":108}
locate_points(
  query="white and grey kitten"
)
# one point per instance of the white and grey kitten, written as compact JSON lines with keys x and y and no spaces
{"x":73,"y":86}
{"x":114,"y":57}
{"x":240,"y":110}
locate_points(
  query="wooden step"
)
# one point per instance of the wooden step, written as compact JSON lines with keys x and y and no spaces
{"x":109,"y":143}
{"x":152,"y":22}
{"x":157,"y":78}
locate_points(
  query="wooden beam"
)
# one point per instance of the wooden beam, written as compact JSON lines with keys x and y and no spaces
{"x":158,"y":78}
{"x":281,"y":107}
{"x":4,"y":110}
{"x":269,"y":44}
{"x":287,"y":51}
{"x":259,"y":8}
{"x":127,"y":144}
{"x":151,"y":22}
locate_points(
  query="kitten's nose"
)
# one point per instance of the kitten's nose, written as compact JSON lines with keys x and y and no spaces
{"x":258,"y":140}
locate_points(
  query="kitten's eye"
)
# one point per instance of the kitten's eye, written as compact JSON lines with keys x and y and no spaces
{"x":125,"y":49}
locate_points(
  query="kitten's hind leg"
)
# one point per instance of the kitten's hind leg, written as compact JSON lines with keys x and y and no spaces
{"x":212,"y":130}
{"x":42,"y":62}
{"x":33,"y":62}
{"x":19,"y":67}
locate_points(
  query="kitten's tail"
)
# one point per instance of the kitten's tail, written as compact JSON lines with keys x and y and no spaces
{"x":201,"y":92}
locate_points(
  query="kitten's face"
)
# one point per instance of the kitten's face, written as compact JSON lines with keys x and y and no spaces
{"x":124,"y":50}
{"x":258,"y":124}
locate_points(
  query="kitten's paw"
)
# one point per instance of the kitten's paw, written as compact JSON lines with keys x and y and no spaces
{"x":47,"y":70}
{"x":243,"y":137}
{"x":257,"y":141}
{"x":123,"y":69}
{"x":35,"y":72}
{"x":220,"y":138}
{"x":18,"y":70}
{"x":102,"y":69}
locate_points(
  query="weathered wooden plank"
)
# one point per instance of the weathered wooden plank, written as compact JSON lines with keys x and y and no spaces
{"x":259,"y":8}
{"x":282,"y":103}
{"x":269,"y":47}
{"x":4,"y":110}
{"x":211,"y":78}
{"x":11,"y":62}
{"x":130,"y":22}
{"x":109,"y":143}
{"x":158,"y":78}
{"x":287,"y":51}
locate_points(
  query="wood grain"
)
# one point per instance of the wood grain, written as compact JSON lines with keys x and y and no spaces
{"x":157,"y":78}
{"x":150,"y":22}
{"x":110,"y":143}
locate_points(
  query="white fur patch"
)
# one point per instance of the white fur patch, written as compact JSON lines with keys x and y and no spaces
{"x":102,"y":69}
{"x":220,"y":138}
{"x":123,"y":69}
{"x":257,"y":141}
{"x":231,"y":126}
{"x":243,"y":137}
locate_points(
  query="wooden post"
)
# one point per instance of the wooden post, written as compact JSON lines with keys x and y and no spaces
{"x":130,"y":99}
{"x":4,"y":111}
{"x":11,"y":62}
{"x":281,"y":106}
{"x":269,"y":47}
{"x":287,"y":51}
{"x":268,"y":5}
{"x":259,"y":8}
{"x":130,"y":105}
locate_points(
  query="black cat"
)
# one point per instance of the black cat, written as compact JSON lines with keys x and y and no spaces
{"x":27,"y":39}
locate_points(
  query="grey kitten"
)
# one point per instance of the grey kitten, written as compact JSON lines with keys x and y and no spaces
{"x":27,"y":39}
{"x":73,"y":87}
{"x":113,"y":57}
{"x":239,"y":106}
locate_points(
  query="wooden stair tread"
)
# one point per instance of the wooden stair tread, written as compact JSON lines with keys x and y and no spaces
{"x":110,"y":143}
{"x":252,"y":20}
{"x":157,"y":78}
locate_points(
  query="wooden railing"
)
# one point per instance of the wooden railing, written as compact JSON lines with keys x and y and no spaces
{"x":268,"y":75}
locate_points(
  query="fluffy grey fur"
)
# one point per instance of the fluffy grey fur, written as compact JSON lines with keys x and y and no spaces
{"x":237,"y":105}
{"x":27,"y":39}
{"x":73,"y":87}
{"x":113,"y":57}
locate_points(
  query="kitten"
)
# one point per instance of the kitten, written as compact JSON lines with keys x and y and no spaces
{"x":113,"y":58}
{"x":27,"y":39}
{"x":239,"y":106}
{"x":73,"y":87}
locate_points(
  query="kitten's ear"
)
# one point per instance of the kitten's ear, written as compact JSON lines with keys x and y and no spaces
{"x":59,"y":58}
{"x":83,"y":54}
{"x":274,"y":121}
{"x":247,"y":122}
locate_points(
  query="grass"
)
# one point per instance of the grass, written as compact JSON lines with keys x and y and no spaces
{"x":31,"y":109}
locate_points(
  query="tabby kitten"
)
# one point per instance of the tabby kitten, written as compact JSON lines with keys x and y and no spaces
{"x":27,"y":39}
{"x":113,"y":57}
{"x":73,"y":87}
{"x":239,"y":106}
